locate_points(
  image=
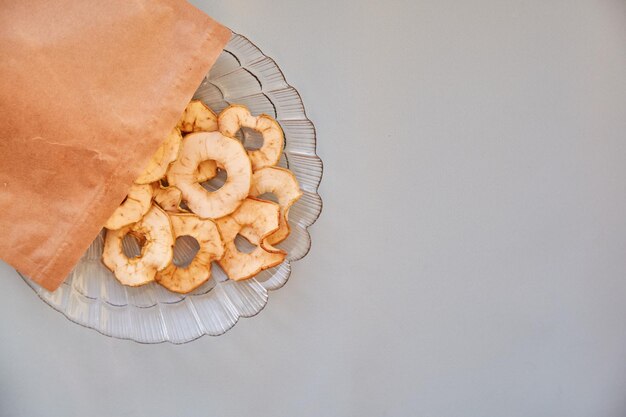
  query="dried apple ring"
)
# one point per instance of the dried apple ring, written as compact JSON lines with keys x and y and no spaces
{"x":229,"y":154}
{"x":135,"y":205}
{"x":186,"y":279}
{"x":261,"y":219}
{"x":197,"y":117}
{"x":162,"y":158}
{"x":154,"y":230}
{"x":234,"y":117}
{"x":283,"y":184}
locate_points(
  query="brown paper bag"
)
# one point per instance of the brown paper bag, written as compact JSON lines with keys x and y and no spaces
{"x":88,"y":91}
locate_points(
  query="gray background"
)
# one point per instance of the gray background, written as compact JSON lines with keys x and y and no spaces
{"x":470,"y":259}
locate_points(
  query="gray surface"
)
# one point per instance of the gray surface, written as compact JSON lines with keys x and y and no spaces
{"x":470,"y":259}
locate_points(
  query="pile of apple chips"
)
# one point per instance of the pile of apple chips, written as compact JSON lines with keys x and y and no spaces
{"x":168,"y":201}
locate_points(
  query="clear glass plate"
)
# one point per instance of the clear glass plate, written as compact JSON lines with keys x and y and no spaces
{"x":92,"y":297}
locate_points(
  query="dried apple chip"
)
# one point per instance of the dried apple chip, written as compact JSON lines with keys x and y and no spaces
{"x":235,"y":117}
{"x":197,"y":117}
{"x":186,"y":279}
{"x":154,"y":231}
{"x":261,"y":219}
{"x":283,"y":184}
{"x":229,"y":154}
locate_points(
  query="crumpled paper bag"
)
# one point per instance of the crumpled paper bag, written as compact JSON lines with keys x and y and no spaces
{"x":88,"y":91}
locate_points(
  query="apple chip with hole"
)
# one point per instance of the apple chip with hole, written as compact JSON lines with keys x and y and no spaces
{"x":154,"y":232}
{"x":229,"y":154}
{"x":235,"y":117}
{"x":184,"y":279}
{"x":261,"y":218}
{"x":283,"y":185}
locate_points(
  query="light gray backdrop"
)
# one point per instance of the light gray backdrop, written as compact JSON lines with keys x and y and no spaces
{"x":470,"y":258}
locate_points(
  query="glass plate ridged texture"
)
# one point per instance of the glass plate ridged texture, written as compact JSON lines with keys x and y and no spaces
{"x":92,"y":297}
